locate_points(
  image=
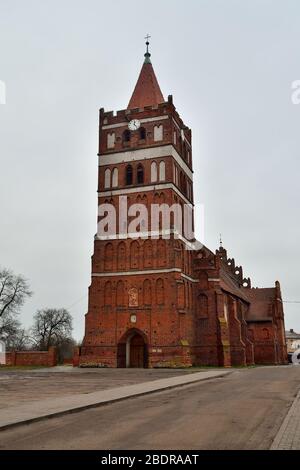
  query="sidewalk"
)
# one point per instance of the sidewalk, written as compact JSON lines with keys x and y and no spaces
{"x":288,"y":436}
{"x":38,"y":410}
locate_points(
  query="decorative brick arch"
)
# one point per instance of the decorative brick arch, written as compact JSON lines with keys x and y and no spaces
{"x":132,"y":349}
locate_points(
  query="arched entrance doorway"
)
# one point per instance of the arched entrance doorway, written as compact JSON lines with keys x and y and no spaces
{"x":132,"y":350}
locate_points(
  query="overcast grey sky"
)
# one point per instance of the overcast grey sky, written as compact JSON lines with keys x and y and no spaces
{"x":229,"y":65}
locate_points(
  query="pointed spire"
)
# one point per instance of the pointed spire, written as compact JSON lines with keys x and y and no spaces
{"x":147,"y":91}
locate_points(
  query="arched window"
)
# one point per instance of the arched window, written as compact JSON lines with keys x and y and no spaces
{"x":121,"y":255}
{"x":134,"y":254}
{"x":180,"y":295}
{"x":161,"y":252}
{"x":108,"y":257}
{"x":107,"y":178}
{"x":111,"y":139}
{"x":126,"y":135}
{"x":129,"y":175}
{"x":140,"y":174}
{"x":160,"y":296}
{"x":148,"y":253}
{"x":142,"y":133}
{"x":120,"y":294}
{"x":107,"y":293}
{"x":183,"y":182}
{"x":153,"y":172}
{"x":162,"y":171}
{"x":115,"y":175}
{"x":158,"y":132}
{"x":147,"y":292}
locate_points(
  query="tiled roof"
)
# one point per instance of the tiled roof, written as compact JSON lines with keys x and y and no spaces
{"x":147,"y":91}
{"x":260,"y":302}
{"x":292,"y":335}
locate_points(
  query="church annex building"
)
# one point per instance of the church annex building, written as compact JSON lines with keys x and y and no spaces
{"x":152,"y":302}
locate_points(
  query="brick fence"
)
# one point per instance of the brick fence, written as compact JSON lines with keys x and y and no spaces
{"x":32,"y":358}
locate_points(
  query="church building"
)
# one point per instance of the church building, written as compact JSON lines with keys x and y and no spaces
{"x":157,"y":297}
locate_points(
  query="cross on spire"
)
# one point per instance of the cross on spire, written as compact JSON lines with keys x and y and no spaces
{"x":147,"y":41}
{"x":147,"y":54}
{"x":221,"y":243}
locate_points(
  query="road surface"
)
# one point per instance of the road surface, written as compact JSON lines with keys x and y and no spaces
{"x":241,"y":411}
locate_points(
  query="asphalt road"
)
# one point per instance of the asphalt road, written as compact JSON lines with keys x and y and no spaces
{"x":241,"y":411}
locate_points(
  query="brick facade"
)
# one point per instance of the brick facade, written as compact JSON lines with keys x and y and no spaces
{"x":153,"y":302}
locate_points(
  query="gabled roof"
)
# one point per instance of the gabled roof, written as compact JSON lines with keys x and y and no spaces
{"x":261,"y":301}
{"x":147,"y":91}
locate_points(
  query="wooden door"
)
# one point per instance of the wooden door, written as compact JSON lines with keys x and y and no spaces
{"x":137,"y":348}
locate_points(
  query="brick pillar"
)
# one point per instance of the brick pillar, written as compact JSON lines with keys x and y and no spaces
{"x":13,"y":358}
{"x":76,"y":356}
{"x":52,"y":356}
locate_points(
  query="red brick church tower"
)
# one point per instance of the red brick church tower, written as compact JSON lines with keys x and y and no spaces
{"x":153,"y":301}
{"x":140,"y":298}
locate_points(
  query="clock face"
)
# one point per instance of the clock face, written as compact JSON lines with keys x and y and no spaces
{"x":134,"y":124}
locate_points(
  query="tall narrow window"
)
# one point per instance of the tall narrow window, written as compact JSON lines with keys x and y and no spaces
{"x":107,"y":178}
{"x":147,"y":292}
{"x":140,"y":174}
{"x":108,"y":257}
{"x":111,"y":139}
{"x":107,"y":293}
{"x":153,"y":172}
{"x":129,"y":175}
{"x":126,"y":136}
{"x":120,"y":294}
{"x":176,"y":175}
{"x":142,"y":133}
{"x":162,"y":171}
{"x":158,"y":133}
{"x":160,"y":292}
{"x":115,"y":174}
{"x":121,"y":255}
{"x":134,"y":254}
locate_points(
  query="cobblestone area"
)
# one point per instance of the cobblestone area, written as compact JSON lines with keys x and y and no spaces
{"x":288,"y":437}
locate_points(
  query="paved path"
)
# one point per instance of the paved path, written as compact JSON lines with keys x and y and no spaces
{"x":243,"y":410}
{"x":288,"y":437}
{"x":37,"y":410}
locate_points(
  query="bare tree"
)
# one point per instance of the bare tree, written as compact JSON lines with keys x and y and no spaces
{"x":51,"y":327}
{"x":19,"y":340}
{"x":14,"y":290}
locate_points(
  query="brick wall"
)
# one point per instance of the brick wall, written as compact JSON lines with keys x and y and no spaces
{"x":32,"y":358}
